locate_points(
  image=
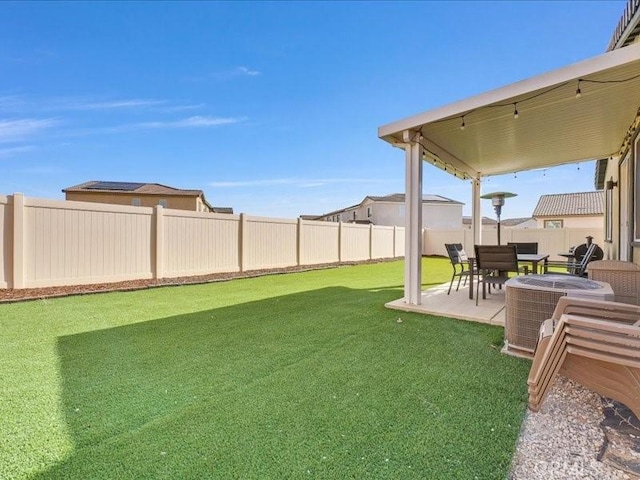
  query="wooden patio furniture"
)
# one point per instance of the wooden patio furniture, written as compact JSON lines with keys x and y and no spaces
{"x":596,"y":343}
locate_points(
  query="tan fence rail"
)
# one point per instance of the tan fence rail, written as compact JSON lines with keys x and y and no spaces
{"x":54,"y":243}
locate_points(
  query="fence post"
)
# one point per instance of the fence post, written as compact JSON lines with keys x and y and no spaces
{"x":242,"y":227}
{"x":395,"y":252}
{"x":299,"y":243}
{"x":159,"y":226}
{"x":340,"y":241}
{"x":18,"y":241}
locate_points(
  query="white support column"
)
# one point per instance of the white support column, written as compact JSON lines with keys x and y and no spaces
{"x":413,"y":220}
{"x":476,"y":212}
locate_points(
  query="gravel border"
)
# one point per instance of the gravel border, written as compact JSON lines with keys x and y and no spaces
{"x":563,"y":439}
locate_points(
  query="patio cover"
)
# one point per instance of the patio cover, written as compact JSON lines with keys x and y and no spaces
{"x":552,"y":127}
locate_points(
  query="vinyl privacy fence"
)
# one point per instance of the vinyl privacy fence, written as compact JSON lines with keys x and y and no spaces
{"x":56,"y":243}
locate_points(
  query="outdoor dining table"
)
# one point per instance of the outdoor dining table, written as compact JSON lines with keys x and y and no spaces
{"x":533,"y":258}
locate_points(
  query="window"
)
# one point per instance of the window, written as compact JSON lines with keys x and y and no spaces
{"x":369,"y":212}
{"x":163,"y":202}
{"x":135,"y":202}
{"x":553,"y":224}
{"x":608,"y":212}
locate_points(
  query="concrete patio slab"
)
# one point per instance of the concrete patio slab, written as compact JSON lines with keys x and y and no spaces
{"x":435,"y":301}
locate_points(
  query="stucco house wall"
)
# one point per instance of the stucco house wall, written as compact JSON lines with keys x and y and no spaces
{"x":573,"y":221}
{"x":146,"y":200}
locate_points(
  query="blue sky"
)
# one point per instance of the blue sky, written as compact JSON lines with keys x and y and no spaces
{"x":270,"y":108}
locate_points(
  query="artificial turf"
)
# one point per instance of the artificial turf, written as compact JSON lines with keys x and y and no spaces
{"x":301,"y":375}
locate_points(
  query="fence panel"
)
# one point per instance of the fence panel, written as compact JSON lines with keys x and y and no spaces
{"x":78,"y":243}
{"x":400,"y":234}
{"x":355,"y":242}
{"x":319,"y":242}
{"x":197,"y":243}
{"x":6,"y":241}
{"x":269,"y":243}
{"x":382,"y":239}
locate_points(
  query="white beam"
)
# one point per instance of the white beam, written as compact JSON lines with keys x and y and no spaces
{"x":476,"y":211}
{"x":413,"y":220}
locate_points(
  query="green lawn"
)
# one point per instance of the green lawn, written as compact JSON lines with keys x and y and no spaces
{"x":302,"y":375}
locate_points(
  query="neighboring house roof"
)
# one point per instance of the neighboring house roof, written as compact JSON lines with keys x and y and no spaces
{"x":399,"y":197}
{"x":136,"y":188}
{"x":310,"y":217}
{"x":512,"y":222}
{"x":131,"y":187}
{"x":570,"y":204}
{"x":393,"y":198}
{"x":228,"y":210}
{"x":485,"y":221}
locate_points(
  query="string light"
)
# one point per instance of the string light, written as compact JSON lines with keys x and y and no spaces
{"x":515,"y":174}
{"x":516,"y":114}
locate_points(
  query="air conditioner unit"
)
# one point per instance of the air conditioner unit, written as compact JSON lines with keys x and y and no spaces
{"x":531,"y":299}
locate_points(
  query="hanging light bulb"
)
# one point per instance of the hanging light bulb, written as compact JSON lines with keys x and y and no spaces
{"x":515,"y":174}
{"x":515,"y":110}
{"x":578,"y":91}
{"x":462,"y":126}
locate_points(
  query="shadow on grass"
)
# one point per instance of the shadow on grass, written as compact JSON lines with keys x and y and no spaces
{"x":325,"y":383}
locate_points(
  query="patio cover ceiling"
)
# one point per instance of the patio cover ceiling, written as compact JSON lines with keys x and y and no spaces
{"x":553,"y":126}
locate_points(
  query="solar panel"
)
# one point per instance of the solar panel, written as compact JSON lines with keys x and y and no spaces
{"x":122,"y":186}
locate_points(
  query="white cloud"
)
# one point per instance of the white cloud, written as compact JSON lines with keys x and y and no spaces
{"x":13,"y":130}
{"x":10,"y":152}
{"x":234,"y":73}
{"x":248,"y":71}
{"x":113,"y":104}
{"x":191,"y":122}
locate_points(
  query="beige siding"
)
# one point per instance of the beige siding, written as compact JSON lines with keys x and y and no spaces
{"x":199,"y":243}
{"x":382,"y":241}
{"x":5,"y":241}
{"x":319,"y":242}
{"x":355,"y":242}
{"x":68,"y":242}
{"x":271,"y":242}
{"x":180,"y":202}
{"x":575,"y":222}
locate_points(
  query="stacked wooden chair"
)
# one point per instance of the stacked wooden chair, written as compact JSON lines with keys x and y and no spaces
{"x":594,"y":342}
